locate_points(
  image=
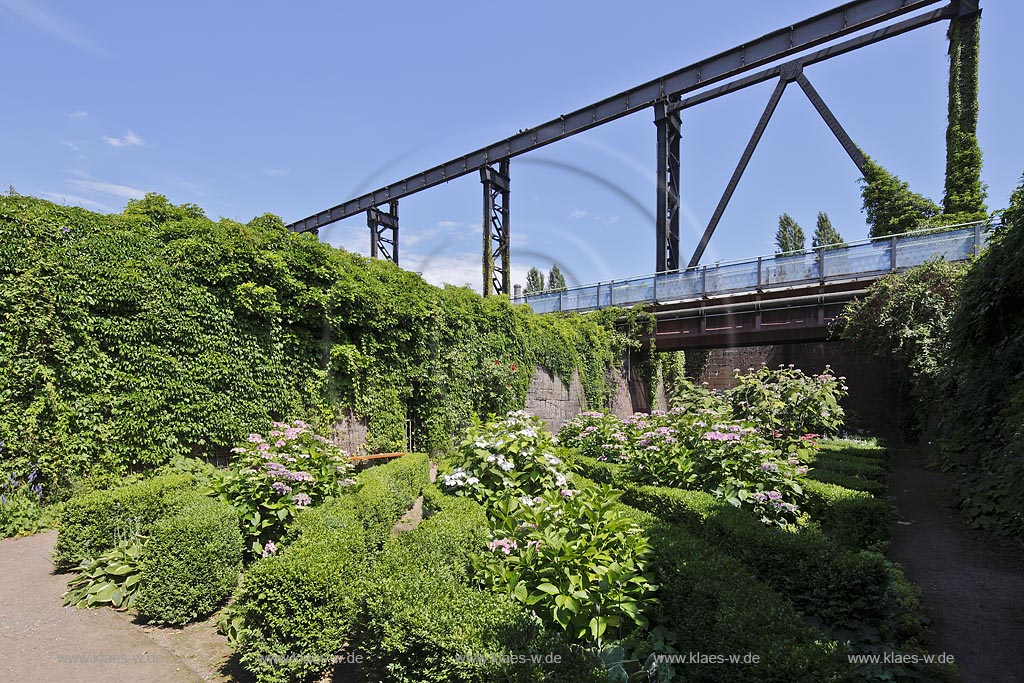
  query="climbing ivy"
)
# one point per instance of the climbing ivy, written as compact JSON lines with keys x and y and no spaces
{"x":964,"y":192}
{"x":127,"y":339}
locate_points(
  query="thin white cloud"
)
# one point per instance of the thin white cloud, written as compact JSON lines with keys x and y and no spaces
{"x":68,"y":143}
{"x":129,"y":139}
{"x":607,"y":220}
{"x":52,"y":23}
{"x":449,"y":224}
{"x":88,"y":183}
{"x":78,"y":115}
{"x":74,"y":200}
{"x":277,"y":172}
{"x":577,"y":214}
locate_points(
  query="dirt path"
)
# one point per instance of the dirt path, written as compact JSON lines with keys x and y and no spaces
{"x":975,"y":588}
{"x":42,"y":641}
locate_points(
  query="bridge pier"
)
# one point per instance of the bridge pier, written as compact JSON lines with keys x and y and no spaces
{"x":379,"y":222}
{"x":497,"y":266}
{"x":666,"y":118}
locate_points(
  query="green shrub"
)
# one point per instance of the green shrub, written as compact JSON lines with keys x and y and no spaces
{"x":297,"y":608}
{"x":854,"y":518}
{"x":843,"y":587}
{"x":21,"y":509}
{"x":424,"y":622}
{"x":575,"y":557}
{"x":715,"y":606}
{"x":849,"y":481}
{"x":96,"y":521}
{"x":385,"y":493}
{"x":788,"y":402}
{"x":190,"y":562}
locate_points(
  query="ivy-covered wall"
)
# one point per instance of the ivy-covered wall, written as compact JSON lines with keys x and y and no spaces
{"x":964,"y":192}
{"x":126,"y":339}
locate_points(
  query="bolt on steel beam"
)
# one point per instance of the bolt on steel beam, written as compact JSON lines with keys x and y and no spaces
{"x":379,"y":222}
{"x":497,"y":266}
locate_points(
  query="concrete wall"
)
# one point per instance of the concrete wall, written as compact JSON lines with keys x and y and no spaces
{"x":552,"y":400}
{"x":349,"y":432}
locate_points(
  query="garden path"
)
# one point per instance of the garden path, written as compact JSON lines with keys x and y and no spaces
{"x":42,"y":641}
{"x":974,"y":585}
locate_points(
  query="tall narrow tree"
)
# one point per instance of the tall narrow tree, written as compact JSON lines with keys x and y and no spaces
{"x":824,"y":234}
{"x":964,"y":192}
{"x":534,"y":281}
{"x":556,"y":281}
{"x":789,"y":236}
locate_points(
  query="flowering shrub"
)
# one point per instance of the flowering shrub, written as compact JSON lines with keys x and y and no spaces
{"x":21,"y":511}
{"x":703,"y":450}
{"x":272,"y":477}
{"x":789,"y":403}
{"x":513,"y":455}
{"x":573,"y":557}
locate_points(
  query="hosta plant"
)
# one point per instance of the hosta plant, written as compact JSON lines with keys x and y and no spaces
{"x":272,"y":477}
{"x":574,"y":557}
{"x":511,"y":455}
{"x":110,"y":579}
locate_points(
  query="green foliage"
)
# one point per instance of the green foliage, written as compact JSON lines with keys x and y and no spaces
{"x":964,"y":191}
{"x":424,"y":622}
{"x":574,"y":557}
{"x":297,"y":608}
{"x":190,"y":562}
{"x":825,"y":235}
{"x":128,"y":339}
{"x":853,"y":518}
{"x":272,"y":477}
{"x":21,"y":510}
{"x":714,"y":604}
{"x":903,"y":319}
{"x":790,"y":236}
{"x":534,"y":281}
{"x":788,"y":403}
{"x":556,"y":281}
{"x":111,"y":578}
{"x":510,"y":456}
{"x":843,"y":587}
{"x":890,"y":206}
{"x":985,"y":401}
{"x":97,"y":521}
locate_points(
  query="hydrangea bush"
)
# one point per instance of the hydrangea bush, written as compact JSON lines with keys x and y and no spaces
{"x":272,"y":477}
{"x":572,"y":557}
{"x":513,"y":455}
{"x":700,"y":449}
{"x":788,"y":402}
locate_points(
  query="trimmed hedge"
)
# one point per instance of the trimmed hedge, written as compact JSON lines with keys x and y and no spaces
{"x":299,"y":607}
{"x":848,"y":481}
{"x":191,"y":562}
{"x":93,"y":522}
{"x":716,"y":607}
{"x":385,"y":492}
{"x":842,"y":587}
{"x":853,"y":518}
{"x":423,"y":620}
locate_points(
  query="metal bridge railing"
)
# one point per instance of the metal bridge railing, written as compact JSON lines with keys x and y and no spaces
{"x":865,"y":259}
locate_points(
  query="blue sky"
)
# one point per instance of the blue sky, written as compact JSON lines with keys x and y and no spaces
{"x":293,"y":107}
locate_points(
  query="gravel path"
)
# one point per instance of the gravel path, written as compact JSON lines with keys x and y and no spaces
{"x":975,"y":587}
{"x":42,"y":641}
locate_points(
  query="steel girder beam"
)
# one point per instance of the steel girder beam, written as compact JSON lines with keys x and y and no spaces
{"x":748,"y":152}
{"x":848,"y":18}
{"x":792,"y":71}
{"x":379,"y":222}
{"x":667,"y":225}
{"x":497,"y":265}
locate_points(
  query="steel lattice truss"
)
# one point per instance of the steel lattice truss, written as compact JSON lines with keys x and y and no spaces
{"x":668,"y":96}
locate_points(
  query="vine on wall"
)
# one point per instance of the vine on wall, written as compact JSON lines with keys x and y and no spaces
{"x":126,"y":339}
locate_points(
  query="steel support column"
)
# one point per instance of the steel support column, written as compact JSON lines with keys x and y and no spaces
{"x":379,"y":222}
{"x":667,"y":227}
{"x":497,"y":266}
